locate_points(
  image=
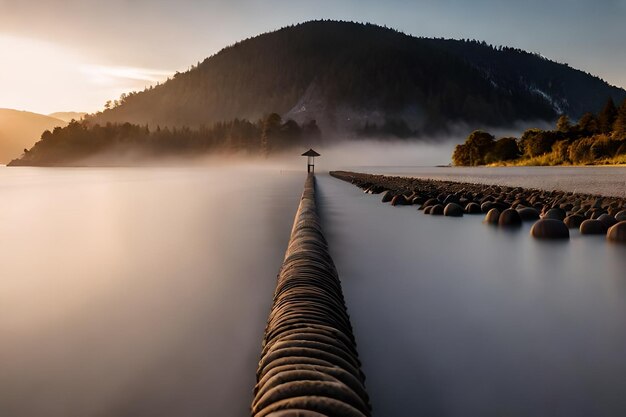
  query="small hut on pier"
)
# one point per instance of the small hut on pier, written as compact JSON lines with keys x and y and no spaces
{"x":310,"y":160}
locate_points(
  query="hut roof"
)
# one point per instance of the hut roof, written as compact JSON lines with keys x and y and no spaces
{"x":310,"y":152}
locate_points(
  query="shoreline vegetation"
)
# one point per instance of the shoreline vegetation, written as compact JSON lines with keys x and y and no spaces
{"x":596,"y":139}
{"x":126,"y":142}
{"x":553,"y":213}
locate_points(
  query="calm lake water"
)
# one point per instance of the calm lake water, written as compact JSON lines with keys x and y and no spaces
{"x":145,"y":292}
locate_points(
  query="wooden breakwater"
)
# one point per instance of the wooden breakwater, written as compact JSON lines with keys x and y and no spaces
{"x":309,"y":365}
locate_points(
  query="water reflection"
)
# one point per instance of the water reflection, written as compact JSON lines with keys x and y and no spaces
{"x":144,"y":292}
{"x":137,"y":292}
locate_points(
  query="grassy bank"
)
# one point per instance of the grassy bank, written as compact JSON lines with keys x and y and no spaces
{"x":553,"y":159}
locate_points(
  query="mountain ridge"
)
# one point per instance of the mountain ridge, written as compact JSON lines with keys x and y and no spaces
{"x":349,"y":76}
{"x":21,"y":129}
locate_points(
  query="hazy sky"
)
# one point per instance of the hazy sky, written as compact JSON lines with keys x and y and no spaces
{"x":62,"y":55}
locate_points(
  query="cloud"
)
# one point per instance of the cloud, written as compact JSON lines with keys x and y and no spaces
{"x":115,"y":75}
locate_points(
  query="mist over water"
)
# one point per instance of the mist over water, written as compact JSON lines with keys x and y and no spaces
{"x":137,"y":292}
{"x":145,"y":292}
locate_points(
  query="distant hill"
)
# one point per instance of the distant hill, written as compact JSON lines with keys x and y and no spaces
{"x":365,"y":78}
{"x":20,"y":130}
{"x":68,"y":116}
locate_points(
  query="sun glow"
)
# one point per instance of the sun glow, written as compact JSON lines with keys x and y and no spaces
{"x":45,"y":77}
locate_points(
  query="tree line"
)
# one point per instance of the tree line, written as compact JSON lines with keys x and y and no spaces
{"x":80,"y":140}
{"x":594,"y":138}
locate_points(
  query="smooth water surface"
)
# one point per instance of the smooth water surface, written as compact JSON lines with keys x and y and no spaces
{"x":457,"y":318}
{"x":144,"y":292}
{"x":139,"y":292}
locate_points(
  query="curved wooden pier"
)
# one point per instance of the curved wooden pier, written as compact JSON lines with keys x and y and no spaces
{"x":309,"y":366}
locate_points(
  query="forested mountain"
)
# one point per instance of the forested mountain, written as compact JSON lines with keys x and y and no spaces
{"x":21,"y":129}
{"x":570,"y":91}
{"x":365,"y":79}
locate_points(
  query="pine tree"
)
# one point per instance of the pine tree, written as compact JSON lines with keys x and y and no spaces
{"x":271,"y":124}
{"x":588,"y":125}
{"x":619,"y":127}
{"x":607,"y":116}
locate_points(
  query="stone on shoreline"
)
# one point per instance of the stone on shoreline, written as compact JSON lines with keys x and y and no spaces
{"x":387,"y":196}
{"x":555,"y":213}
{"x":608,"y":220}
{"x":549,"y":229}
{"x":453,"y":210}
{"x":429,"y":203}
{"x":509,"y":218}
{"x":399,"y":200}
{"x":486,"y":206}
{"x":575,"y":209}
{"x":436,"y":210}
{"x":492,"y":217}
{"x":592,"y":227}
{"x":528,"y":213}
{"x":472,"y":208}
{"x":617,"y":232}
{"x":573,"y":221}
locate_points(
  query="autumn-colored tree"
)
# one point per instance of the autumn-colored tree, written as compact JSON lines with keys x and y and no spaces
{"x":563,"y":124}
{"x":505,"y":149}
{"x":460,"y":156}
{"x":474,"y":150}
{"x":535,"y":142}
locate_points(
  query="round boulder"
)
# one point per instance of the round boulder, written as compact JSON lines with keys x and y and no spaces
{"x":592,"y":227}
{"x":573,"y":221}
{"x":387,"y":196}
{"x":436,"y":210}
{"x":596,"y":213}
{"x":427,"y":209}
{"x":399,"y":200}
{"x":493,"y":216}
{"x":549,"y":229}
{"x":453,"y":210}
{"x":621,"y":216}
{"x":472,"y":208}
{"x":528,"y":213}
{"x":598,"y":203}
{"x":617,"y":232}
{"x":429,"y":203}
{"x":509,"y":218}
{"x":555,"y":213}
{"x":608,"y":220}
{"x":486,"y":206}
{"x":450,"y":199}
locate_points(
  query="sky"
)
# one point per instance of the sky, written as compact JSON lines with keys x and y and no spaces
{"x":74,"y":55}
